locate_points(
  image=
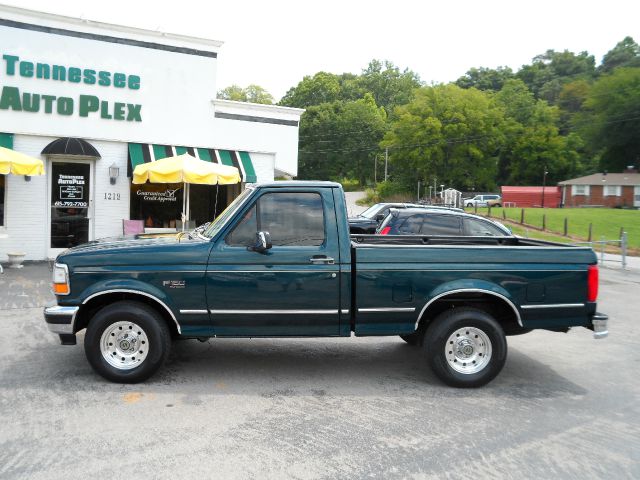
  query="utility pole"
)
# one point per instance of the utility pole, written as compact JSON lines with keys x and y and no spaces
{"x":375,"y":170}
{"x":418,"y":190}
{"x":386,"y":162}
{"x":544,"y":183}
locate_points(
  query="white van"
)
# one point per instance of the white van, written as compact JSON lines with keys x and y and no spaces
{"x":480,"y":200}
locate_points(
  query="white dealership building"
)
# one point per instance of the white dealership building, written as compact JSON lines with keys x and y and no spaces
{"x":94,"y":100}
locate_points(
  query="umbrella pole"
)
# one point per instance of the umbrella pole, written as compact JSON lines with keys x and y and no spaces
{"x":188,"y":187}
{"x":184,"y":204}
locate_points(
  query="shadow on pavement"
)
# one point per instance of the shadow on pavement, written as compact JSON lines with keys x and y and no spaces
{"x":288,"y":367}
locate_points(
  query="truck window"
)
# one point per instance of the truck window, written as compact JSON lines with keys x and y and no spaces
{"x":441,"y":225}
{"x":292,"y":219}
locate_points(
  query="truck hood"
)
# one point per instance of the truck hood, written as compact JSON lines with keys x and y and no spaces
{"x":133,"y":250}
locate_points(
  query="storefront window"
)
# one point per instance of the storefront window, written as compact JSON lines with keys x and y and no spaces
{"x":159,"y":205}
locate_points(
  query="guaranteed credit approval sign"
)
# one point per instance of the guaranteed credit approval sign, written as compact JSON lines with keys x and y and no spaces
{"x":12,"y":98}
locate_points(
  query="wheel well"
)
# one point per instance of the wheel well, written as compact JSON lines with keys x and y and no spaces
{"x":495,"y":306}
{"x":88,"y":310}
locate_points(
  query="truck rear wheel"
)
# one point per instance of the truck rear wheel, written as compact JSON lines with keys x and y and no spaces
{"x":465,"y":347}
{"x":127,"y":342}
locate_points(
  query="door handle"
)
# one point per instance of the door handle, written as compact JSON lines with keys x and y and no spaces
{"x":322,"y":260}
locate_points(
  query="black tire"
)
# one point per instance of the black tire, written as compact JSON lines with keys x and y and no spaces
{"x":156,"y":338}
{"x":444,"y":362}
{"x":412,"y":339}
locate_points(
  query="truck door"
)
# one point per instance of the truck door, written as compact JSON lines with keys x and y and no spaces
{"x":291,"y":288}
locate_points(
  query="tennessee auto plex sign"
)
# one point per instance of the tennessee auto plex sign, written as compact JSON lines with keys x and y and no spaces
{"x":12,"y":98}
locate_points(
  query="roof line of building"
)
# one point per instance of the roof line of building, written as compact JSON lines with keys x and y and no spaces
{"x":85,"y":23}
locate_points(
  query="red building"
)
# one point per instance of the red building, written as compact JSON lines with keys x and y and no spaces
{"x":531,"y":197}
{"x":603,"y":190}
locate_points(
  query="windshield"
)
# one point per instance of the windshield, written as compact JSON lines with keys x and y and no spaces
{"x":215,"y":226}
{"x":371,"y":212}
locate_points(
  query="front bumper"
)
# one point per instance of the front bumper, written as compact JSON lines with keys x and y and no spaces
{"x":600,"y":323}
{"x":61,"y":320}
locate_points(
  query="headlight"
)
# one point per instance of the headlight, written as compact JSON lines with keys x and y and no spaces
{"x":61,"y":279}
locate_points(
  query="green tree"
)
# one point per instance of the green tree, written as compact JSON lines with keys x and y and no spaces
{"x":626,"y":53}
{"x":447,"y":133}
{"x":485,"y":78}
{"x":252,"y":94}
{"x":388,"y":85}
{"x":532,"y":140}
{"x":320,"y":88}
{"x":549,"y":71}
{"x":340,"y":139}
{"x":611,"y":120}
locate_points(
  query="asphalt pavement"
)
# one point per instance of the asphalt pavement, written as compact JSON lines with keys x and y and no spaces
{"x":565,"y":406}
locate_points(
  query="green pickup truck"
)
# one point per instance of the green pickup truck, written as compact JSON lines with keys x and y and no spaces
{"x":280,"y":262}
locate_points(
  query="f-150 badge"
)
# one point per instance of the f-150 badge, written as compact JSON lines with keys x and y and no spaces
{"x":173,"y":283}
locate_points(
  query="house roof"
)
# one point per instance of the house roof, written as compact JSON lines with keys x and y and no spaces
{"x":608,"y":179}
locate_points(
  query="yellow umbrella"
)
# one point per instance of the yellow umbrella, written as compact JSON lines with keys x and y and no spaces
{"x":187,"y":169}
{"x":19,"y":163}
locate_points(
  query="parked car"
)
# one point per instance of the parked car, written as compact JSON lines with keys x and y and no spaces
{"x":367,"y":222}
{"x":496,"y":202}
{"x":414,"y":221}
{"x":480,"y":200}
{"x":279,"y":262}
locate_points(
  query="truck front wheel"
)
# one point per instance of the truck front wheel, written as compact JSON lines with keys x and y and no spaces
{"x":465,"y":347}
{"x":127,"y":342}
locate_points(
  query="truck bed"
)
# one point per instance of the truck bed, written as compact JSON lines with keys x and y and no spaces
{"x":360,"y":239}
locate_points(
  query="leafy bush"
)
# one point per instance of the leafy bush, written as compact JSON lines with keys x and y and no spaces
{"x":386,"y":192}
{"x":349,"y":184}
{"x":388,"y":189}
{"x":371,"y":196}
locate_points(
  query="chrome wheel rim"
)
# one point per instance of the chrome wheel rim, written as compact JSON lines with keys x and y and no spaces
{"x":468,"y":350}
{"x":124,"y":345}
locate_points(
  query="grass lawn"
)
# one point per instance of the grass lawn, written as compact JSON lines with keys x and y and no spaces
{"x":606,"y":221}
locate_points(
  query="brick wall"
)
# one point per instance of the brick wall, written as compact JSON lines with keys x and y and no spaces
{"x":596,"y":197}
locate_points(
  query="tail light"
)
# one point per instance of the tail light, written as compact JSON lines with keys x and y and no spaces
{"x":385,"y":231}
{"x":592,"y":283}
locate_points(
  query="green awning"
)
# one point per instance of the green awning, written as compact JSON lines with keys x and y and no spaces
{"x":6,"y":140}
{"x":144,"y":152}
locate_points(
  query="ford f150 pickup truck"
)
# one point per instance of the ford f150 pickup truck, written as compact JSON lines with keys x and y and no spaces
{"x":279,"y":262}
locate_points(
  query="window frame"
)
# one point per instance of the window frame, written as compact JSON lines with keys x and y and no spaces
{"x":426,"y":218}
{"x":256,"y":203}
{"x":585,"y":193}
{"x":467,"y":221}
{"x":617,"y":190}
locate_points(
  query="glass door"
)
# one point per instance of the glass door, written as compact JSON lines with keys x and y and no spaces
{"x":71,"y":201}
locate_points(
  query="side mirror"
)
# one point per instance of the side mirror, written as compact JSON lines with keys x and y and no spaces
{"x":263,"y":242}
{"x":380,"y":217}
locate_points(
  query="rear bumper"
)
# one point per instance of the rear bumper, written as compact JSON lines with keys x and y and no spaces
{"x":600,"y":323}
{"x":61,"y":320}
